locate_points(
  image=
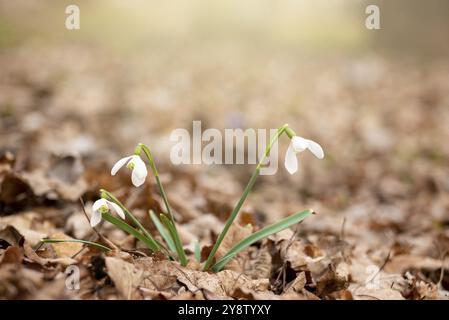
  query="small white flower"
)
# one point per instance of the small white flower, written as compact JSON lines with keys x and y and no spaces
{"x":138,"y":167}
{"x":297,"y":145}
{"x":103,"y":206}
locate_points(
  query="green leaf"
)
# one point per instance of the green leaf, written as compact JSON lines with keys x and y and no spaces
{"x":89,"y":243}
{"x":163,"y":231}
{"x":128,"y":229}
{"x":265,"y":232}
{"x":171,"y":229}
{"x":111,"y":197}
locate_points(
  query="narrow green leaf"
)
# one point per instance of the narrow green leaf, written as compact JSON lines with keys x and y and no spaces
{"x":179,"y":249}
{"x":89,"y":243}
{"x":163,"y":231}
{"x":111,"y":197}
{"x":128,"y":229}
{"x":265,"y":232}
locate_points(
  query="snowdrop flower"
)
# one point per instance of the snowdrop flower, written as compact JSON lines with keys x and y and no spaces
{"x":103,"y":206}
{"x":297,"y":145}
{"x":138,"y":167}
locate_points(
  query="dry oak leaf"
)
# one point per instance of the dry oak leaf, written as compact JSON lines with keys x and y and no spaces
{"x":24,"y":224}
{"x":297,"y":285}
{"x":240,"y":293}
{"x":52,"y":188}
{"x":298,"y":255}
{"x":401,"y":263}
{"x":126,"y":276}
{"x":220,"y":284}
{"x":18,"y":282}
{"x":364,"y":293}
{"x":235,"y":234}
{"x":261,"y":264}
{"x":334,"y":278}
{"x":200,"y":227}
{"x":32,"y":256}
{"x":65,"y":249}
{"x":12,"y":254}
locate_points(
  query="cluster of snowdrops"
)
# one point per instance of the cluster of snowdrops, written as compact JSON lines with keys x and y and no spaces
{"x":172,"y":246}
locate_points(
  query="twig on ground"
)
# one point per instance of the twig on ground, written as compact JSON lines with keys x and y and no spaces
{"x":387,"y":258}
{"x":282,"y":269}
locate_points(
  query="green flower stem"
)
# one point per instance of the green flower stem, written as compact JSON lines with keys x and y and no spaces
{"x":109,"y":196}
{"x":290,"y":133}
{"x":175,"y":235}
{"x":242,"y":199}
{"x":148,"y":154}
{"x":89,"y":243}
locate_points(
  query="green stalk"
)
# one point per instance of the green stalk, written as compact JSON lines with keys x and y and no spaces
{"x":259,"y":235}
{"x":290,"y":133}
{"x":89,"y":243}
{"x":109,"y":196}
{"x":171,"y":229}
{"x":119,"y":223}
{"x":163,"y":231}
{"x":242,"y":199}
{"x":175,"y":234}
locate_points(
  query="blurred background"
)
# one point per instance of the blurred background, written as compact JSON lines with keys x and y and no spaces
{"x":376,"y":100}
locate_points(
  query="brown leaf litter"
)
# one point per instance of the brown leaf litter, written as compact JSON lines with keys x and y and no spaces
{"x":382,"y":192}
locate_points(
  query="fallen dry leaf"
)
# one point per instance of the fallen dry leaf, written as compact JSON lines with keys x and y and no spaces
{"x":235,"y":234}
{"x":125,"y":275}
{"x":381,"y":193}
{"x":25,"y":225}
{"x":65,"y":249}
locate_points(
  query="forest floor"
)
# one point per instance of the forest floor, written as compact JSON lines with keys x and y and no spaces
{"x":381,"y":195}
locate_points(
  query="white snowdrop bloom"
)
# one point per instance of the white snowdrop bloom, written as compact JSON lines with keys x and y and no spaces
{"x":103,"y":206}
{"x":136,"y":164}
{"x":297,"y":145}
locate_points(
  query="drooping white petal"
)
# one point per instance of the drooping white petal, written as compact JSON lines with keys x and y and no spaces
{"x":140,"y":166}
{"x":119,"y":164}
{"x":299,"y":144}
{"x":117,"y":209}
{"x":291,"y":162}
{"x":315,"y":148}
{"x":136,"y":179}
{"x":97,"y":204}
{"x":139,"y":172}
{"x":95,"y":218}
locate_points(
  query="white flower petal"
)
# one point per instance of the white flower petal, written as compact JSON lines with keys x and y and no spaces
{"x":291,"y":162}
{"x":119,"y":164}
{"x":95,"y":218}
{"x":137,"y":179}
{"x":315,"y":148}
{"x":299,"y":144}
{"x":117,"y":209}
{"x":97,"y":204}
{"x":140,"y":166}
{"x":139,"y":172}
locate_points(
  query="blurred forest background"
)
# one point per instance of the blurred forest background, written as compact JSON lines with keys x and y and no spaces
{"x":376,"y":100}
